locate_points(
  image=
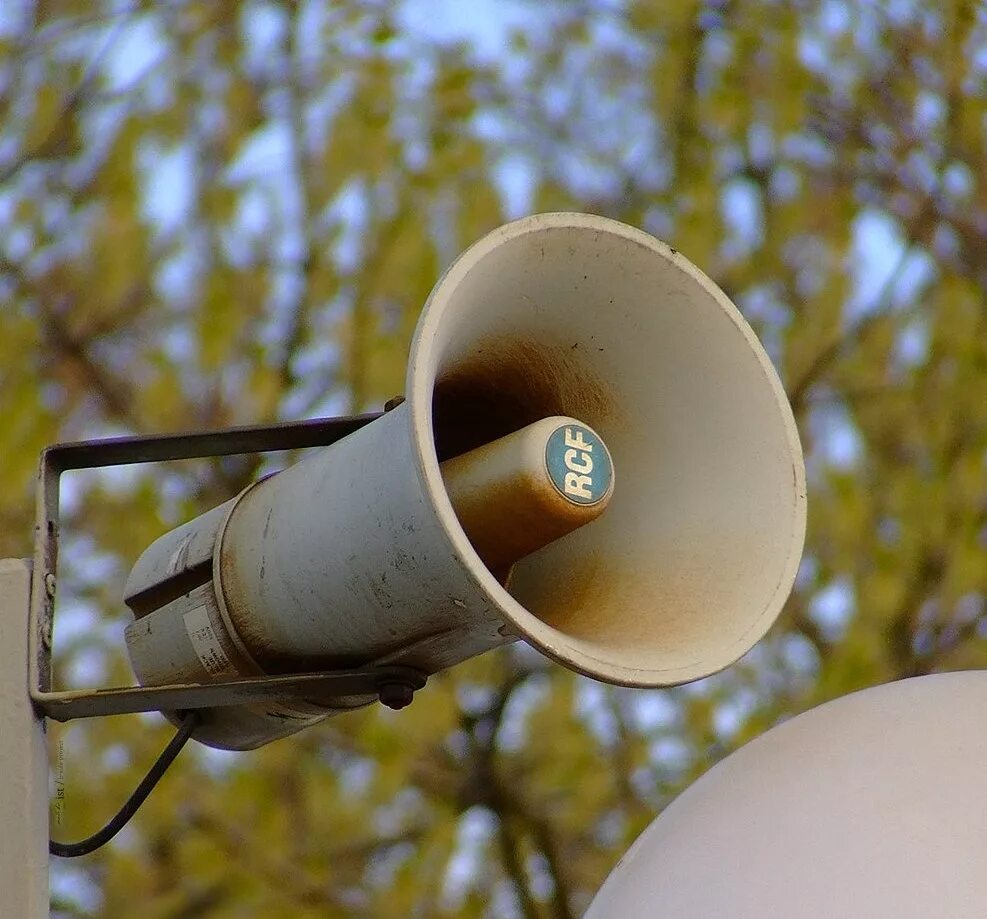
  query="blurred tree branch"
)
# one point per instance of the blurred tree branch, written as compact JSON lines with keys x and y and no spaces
{"x":231,"y":213}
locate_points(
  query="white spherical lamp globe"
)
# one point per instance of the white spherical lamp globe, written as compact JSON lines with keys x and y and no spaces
{"x":872,"y":806}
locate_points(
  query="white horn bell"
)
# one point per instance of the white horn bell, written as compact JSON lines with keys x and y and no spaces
{"x":356,"y":554}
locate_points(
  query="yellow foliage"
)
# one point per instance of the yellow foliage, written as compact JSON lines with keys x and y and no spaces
{"x":332,"y":159}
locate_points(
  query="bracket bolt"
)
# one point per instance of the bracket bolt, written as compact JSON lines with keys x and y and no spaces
{"x":396,"y":695}
{"x":50,"y":584}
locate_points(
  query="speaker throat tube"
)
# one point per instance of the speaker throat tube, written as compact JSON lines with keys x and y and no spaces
{"x":520,"y":492}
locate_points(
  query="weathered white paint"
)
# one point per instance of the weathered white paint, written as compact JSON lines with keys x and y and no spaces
{"x":869,"y":807}
{"x":356,"y":552}
{"x":23,"y":760}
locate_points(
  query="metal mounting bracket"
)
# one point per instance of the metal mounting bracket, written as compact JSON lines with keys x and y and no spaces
{"x":393,"y":684}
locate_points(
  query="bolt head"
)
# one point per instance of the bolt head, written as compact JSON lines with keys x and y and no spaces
{"x":396,"y":695}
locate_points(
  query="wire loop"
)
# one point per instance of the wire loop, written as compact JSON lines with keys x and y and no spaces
{"x":190,"y":722}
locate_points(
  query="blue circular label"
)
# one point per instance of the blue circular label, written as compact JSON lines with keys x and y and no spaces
{"x":578,"y":464}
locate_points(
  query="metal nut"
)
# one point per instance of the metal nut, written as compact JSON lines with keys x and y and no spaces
{"x":396,"y":695}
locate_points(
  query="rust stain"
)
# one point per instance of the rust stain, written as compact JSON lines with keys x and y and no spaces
{"x":507,"y":519}
{"x":632,"y":616}
{"x":505,"y":385}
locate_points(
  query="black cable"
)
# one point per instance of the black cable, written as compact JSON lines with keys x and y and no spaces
{"x":72,"y":849}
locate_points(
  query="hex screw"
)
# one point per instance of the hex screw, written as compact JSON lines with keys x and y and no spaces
{"x":396,"y":695}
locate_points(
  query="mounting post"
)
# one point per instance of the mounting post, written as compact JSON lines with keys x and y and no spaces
{"x":23,"y":758}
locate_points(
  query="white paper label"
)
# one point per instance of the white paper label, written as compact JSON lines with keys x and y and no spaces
{"x":205,"y":642}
